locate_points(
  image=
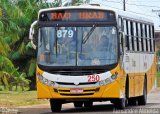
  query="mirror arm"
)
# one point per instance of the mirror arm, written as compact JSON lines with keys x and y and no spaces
{"x":33,"y":45}
{"x":31,"y":32}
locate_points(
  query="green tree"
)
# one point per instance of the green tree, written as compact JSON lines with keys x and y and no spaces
{"x":17,"y":59}
{"x":16,"y":56}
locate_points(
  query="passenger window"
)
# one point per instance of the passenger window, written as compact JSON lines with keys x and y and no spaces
{"x":148,"y":38}
{"x":132,"y":35}
{"x":120,"y":23}
{"x":144,"y":39}
{"x":126,"y":34}
{"x":151,"y":39}
{"x":129,"y":34}
{"x":141,"y":29}
{"x":137,"y":38}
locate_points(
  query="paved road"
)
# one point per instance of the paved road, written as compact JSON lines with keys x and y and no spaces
{"x":99,"y":107}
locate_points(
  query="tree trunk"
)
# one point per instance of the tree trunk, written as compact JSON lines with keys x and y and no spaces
{"x":3,"y":84}
{"x":16,"y":86}
{"x":22,"y":86}
{"x":10,"y":88}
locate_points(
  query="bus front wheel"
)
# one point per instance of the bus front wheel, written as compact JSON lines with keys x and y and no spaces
{"x":121,"y":104}
{"x":78,"y":104}
{"x":88,"y":104}
{"x":56,"y":105}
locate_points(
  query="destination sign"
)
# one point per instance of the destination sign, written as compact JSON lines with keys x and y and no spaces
{"x":78,"y":15}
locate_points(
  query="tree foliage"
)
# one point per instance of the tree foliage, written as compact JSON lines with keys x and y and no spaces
{"x":17,"y":59}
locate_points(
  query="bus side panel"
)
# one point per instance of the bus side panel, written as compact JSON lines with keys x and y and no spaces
{"x":135,"y":84}
{"x":131,"y":85}
{"x":151,"y":77}
{"x":139,"y":81}
{"x":135,"y":69}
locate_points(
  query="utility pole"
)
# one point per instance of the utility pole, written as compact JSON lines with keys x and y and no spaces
{"x":124,"y":5}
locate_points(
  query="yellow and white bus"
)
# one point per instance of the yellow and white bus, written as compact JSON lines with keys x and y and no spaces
{"x":91,"y":53}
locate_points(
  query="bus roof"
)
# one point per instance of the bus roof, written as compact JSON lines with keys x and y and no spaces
{"x":117,"y":12}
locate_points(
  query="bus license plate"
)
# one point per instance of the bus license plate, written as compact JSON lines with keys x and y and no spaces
{"x":76,"y":90}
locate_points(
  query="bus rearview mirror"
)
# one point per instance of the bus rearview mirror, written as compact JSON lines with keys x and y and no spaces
{"x":32,"y":33}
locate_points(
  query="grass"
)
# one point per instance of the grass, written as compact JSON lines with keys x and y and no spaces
{"x":158,"y":74}
{"x":11,"y":99}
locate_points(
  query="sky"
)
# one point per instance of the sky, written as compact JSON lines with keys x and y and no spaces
{"x":140,"y":7}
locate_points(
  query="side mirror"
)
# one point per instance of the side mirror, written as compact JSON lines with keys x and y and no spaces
{"x":32,"y":33}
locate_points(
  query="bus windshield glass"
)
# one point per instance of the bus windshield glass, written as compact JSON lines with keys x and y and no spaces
{"x":77,"y":46}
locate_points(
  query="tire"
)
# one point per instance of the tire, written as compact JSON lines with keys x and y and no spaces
{"x":142,"y":100}
{"x":56,"y":105}
{"x":123,"y":102}
{"x":88,"y":104}
{"x":132,"y":101}
{"x":78,"y":104}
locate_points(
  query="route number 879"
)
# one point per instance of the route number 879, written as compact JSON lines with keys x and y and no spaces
{"x":65,"y":33}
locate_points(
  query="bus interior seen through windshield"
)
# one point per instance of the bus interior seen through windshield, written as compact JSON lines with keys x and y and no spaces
{"x":77,"y":46}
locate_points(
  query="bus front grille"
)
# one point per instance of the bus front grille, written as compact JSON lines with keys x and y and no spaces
{"x":66,"y":92}
{"x":76,"y":94}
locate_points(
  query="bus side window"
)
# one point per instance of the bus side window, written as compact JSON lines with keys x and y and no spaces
{"x":120,"y":23}
{"x":150,"y":38}
{"x":139,"y":35}
{"x":141,"y":29}
{"x":126,"y":33}
{"x":152,"y":31}
{"x":137,"y":38}
{"x":132,"y":35}
{"x":129,"y":34}
{"x":144,"y":39}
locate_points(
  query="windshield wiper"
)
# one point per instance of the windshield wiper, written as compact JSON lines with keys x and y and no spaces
{"x":87,"y":36}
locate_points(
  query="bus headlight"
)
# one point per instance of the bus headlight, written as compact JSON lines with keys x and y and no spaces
{"x":45,"y":81}
{"x":114,"y":76}
{"x":108,"y":80}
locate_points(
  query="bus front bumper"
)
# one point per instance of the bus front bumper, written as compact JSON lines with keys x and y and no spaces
{"x":111,"y":90}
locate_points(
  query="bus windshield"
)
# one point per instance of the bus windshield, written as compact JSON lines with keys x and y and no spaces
{"x":77,"y":46}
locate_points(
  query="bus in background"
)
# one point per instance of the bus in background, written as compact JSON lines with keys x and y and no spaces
{"x":91,"y":53}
